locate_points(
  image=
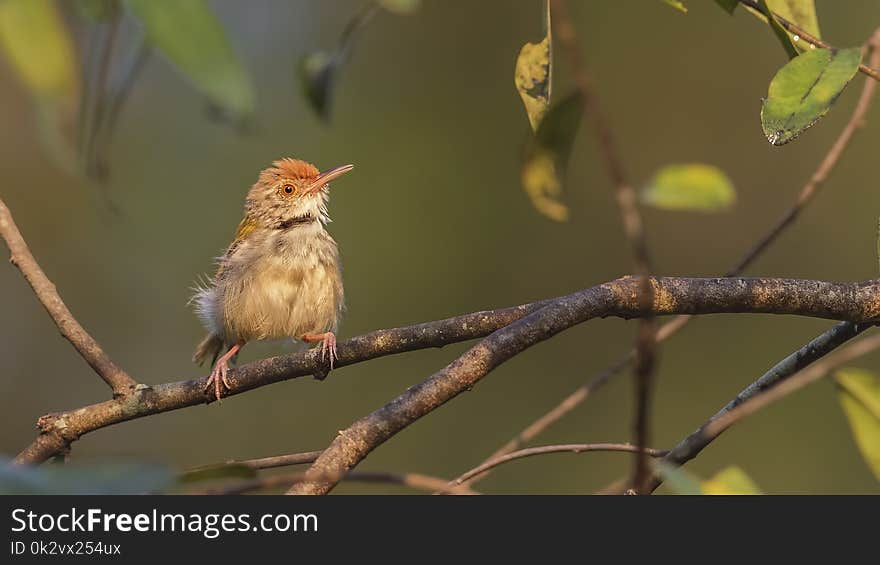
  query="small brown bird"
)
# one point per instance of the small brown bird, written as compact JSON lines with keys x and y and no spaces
{"x":280,"y":277}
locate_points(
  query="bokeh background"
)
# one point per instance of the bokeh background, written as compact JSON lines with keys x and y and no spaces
{"x":432,"y":223}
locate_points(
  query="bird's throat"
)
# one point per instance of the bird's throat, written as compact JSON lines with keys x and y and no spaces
{"x":293,"y":222}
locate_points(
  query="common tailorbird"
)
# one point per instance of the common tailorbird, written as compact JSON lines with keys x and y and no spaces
{"x":280,"y":276}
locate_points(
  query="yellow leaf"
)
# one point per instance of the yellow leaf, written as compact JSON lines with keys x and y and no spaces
{"x":859,"y":395}
{"x":533,"y":75}
{"x":37,"y":44}
{"x":541,"y":183}
{"x":730,"y":480}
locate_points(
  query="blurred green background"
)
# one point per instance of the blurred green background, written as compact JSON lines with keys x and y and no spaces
{"x":432,"y":223}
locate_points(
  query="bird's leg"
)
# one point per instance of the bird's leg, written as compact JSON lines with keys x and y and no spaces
{"x":328,"y":345}
{"x":221,"y":368}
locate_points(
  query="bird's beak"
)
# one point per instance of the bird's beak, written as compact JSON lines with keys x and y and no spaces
{"x":326,"y":176}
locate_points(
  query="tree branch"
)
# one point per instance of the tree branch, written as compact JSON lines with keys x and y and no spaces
{"x":806,"y":195}
{"x":818,"y":347}
{"x":118,"y":380}
{"x":264,"y":462}
{"x":857,"y":302}
{"x":545,"y":449}
{"x":411,"y":480}
{"x":633,"y":227}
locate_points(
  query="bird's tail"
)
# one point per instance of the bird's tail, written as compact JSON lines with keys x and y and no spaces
{"x":209,"y":347}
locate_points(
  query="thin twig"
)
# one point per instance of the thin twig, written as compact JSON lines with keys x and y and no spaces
{"x":811,"y":39}
{"x":816,"y":349}
{"x":265,"y":462}
{"x":633,"y":227}
{"x":107,"y":124}
{"x":411,"y":480}
{"x":796,"y":382}
{"x":806,"y":195}
{"x":803,"y":367}
{"x":20,"y":256}
{"x":100,"y":96}
{"x":545,"y":449}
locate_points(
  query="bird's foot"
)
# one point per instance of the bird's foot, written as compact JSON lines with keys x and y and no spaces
{"x":218,"y":379}
{"x":328,"y":346}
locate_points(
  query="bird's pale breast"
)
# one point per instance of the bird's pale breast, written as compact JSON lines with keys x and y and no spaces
{"x":279,"y":283}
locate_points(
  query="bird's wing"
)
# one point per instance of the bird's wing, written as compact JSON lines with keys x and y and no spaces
{"x":245,"y":228}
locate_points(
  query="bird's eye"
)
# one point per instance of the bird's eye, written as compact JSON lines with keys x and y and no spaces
{"x":288,"y":189}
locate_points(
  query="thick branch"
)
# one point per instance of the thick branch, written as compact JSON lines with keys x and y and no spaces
{"x":20,"y":256}
{"x":841,"y":301}
{"x":856,"y":302}
{"x":59,"y":430}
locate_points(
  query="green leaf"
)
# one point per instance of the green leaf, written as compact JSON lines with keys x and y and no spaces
{"x":859,"y":395}
{"x":690,"y":187}
{"x":728,"y":5}
{"x":221,"y":471}
{"x":317,"y":71}
{"x":96,"y":10}
{"x":533,"y":73}
{"x":730,"y":480}
{"x":35,"y":40}
{"x":401,"y":6}
{"x":801,"y":13}
{"x":109,"y":478}
{"x":317,"y":76}
{"x":780,"y":32}
{"x":191,"y":37}
{"x":804,"y":89}
{"x":677,"y":5}
{"x":677,"y":479}
{"x":547,"y":156}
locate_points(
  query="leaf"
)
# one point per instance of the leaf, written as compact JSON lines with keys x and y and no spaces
{"x":108,"y":478}
{"x":191,"y":37}
{"x":36,"y":42}
{"x":677,"y":5}
{"x":730,"y":480}
{"x":677,"y":479}
{"x":96,"y":10}
{"x":728,"y":5}
{"x":804,"y":89}
{"x":317,"y":76}
{"x":533,"y":73}
{"x":690,"y":187}
{"x":547,"y":156}
{"x":317,"y":71}
{"x":780,"y":32}
{"x":401,"y":6}
{"x":221,"y":471}
{"x":801,"y":13}
{"x":859,"y":395}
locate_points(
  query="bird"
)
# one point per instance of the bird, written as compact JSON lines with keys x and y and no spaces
{"x":281,"y":275}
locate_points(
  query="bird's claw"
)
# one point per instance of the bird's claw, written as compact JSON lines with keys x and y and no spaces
{"x":328,"y":348}
{"x":219,"y":380}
